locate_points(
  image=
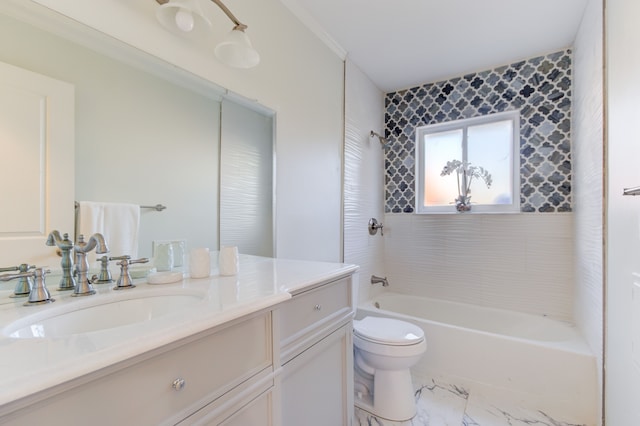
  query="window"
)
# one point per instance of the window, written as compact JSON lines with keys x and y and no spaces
{"x":483,"y":165}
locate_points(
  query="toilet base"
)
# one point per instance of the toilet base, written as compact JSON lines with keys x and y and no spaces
{"x":392,"y":397}
{"x":368,"y":408}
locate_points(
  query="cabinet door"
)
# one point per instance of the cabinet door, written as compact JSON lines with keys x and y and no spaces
{"x":317,"y":385}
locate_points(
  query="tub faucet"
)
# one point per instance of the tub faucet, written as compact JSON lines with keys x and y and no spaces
{"x":378,"y":280}
{"x":81,"y":248}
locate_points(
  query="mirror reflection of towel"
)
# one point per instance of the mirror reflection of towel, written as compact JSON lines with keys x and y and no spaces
{"x":117,"y":222}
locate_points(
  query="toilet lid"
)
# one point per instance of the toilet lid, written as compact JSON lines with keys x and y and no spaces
{"x":388,"y":330}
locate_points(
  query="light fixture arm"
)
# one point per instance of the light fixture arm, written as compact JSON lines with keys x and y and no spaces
{"x":238,"y":25}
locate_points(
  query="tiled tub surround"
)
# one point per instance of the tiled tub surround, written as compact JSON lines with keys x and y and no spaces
{"x":519,"y":262}
{"x":490,"y":367}
{"x":540,"y":88}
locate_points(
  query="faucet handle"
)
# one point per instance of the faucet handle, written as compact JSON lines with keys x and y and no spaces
{"x":38,"y":293}
{"x":124,"y":281}
{"x":23,"y":267}
{"x":105,"y":273}
{"x":25,"y":284}
{"x":374,"y":225}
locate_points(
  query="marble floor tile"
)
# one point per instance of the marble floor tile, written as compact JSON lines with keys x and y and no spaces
{"x":441,"y":403}
{"x":438,"y":404}
{"x":483,"y":411}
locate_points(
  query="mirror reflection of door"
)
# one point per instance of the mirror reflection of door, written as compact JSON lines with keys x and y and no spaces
{"x":246,"y":176}
{"x":145,"y":133}
{"x":36,"y":164}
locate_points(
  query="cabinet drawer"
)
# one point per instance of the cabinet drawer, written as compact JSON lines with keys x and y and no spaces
{"x":314,"y":308}
{"x":250,"y":404}
{"x":145,"y":394}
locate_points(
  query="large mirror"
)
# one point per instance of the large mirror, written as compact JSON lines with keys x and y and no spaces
{"x":148,"y":136}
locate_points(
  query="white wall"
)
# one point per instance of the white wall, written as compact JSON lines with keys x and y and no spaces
{"x":588,"y":149}
{"x":299,"y":77}
{"x":622,"y":227}
{"x":364,"y":178}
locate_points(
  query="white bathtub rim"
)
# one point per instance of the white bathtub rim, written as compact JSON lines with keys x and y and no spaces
{"x":576,"y":344}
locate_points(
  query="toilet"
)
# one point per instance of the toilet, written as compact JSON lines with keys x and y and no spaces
{"x":384,"y":351}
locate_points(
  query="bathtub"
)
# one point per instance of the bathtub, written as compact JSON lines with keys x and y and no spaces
{"x":524,"y":355}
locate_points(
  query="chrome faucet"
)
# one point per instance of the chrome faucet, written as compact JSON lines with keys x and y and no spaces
{"x":124,"y":281}
{"x":378,"y":280}
{"x":25,"y":283}
{"x":374,"y":225}
{"x":67,"y":282}
{"x":105,"y":273}
{"x":84,"y":287}
{"x":39,"y":293}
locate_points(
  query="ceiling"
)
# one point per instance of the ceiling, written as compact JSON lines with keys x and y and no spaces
{"x":404,"y":43}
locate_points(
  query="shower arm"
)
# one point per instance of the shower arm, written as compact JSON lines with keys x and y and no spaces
{"x":382,"y":139}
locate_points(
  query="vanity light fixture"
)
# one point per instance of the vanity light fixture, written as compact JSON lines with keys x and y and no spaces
{"x":186,"y":18}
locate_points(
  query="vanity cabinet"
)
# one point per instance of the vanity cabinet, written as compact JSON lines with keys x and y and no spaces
{"x":223,"y":376}
{"x":287,"y":362}
{"x":316,"y":354}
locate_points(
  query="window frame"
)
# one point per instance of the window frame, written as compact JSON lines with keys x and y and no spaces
{"x":464,"y":124}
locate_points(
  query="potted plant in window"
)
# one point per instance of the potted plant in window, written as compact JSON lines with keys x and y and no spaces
{"x":465,"y":173}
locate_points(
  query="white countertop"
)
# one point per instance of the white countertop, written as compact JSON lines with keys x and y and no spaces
{"x":32,"y":365}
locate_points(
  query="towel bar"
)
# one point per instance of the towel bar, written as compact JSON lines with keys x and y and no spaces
{"x":631,"y":191}
{"x":157,"y":207}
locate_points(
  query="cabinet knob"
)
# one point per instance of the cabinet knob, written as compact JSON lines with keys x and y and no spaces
{"x":317,"y":307}
{"x":178,"y":384}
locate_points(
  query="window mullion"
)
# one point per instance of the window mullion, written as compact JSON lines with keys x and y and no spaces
{"x":464,"y":161}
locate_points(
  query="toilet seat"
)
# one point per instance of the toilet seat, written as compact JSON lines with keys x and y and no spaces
{"x":388,"y":331}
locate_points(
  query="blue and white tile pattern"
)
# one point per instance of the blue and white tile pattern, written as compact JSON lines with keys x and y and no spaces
{"x":540,"y":88}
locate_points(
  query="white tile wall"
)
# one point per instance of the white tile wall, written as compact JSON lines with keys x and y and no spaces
{"x":588,"y":178}
{"x":522,"y":262}
{"x":364,"y":175}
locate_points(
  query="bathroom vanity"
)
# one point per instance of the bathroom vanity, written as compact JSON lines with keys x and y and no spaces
{"x":260,"y":348}
{"x":316,"y":354}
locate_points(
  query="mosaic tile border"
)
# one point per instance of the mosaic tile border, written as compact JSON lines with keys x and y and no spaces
{"x":539,"y":87}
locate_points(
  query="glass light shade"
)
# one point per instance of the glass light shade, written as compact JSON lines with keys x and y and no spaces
{"x":236,"y":51}
{"x":184,"y":18}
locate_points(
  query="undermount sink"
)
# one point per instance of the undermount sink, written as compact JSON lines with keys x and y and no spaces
{"x":79,"y":318}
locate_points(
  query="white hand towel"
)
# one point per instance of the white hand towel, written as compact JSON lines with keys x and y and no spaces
{"x":117,"y":222}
